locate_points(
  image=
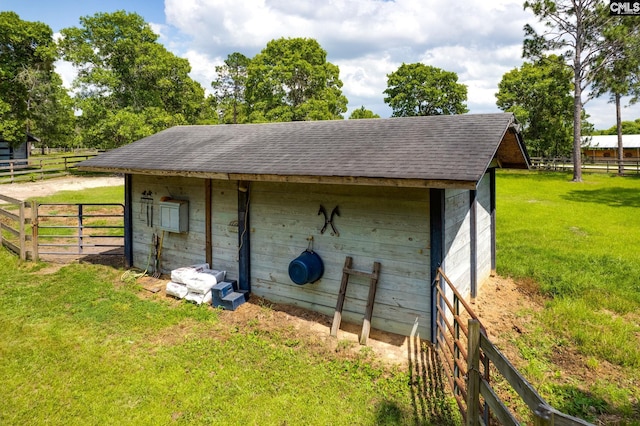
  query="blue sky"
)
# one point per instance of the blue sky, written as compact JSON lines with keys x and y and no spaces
{"x":479,"y":40}
{"x":60,"y":14}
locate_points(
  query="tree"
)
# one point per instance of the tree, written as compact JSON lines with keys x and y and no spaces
{"x":229,"y":89}
{"x":122,"y":67}
{"x":573,"y":28}
{"x":419,"y":89}
{"x":50,"y":108}
{"x":362,"y":113}
{"x":291,"y":80}
{"x":27,"y":50}
{"x":627,"y":128}
{"x":539,"y":94}
{"x":618,"y":69}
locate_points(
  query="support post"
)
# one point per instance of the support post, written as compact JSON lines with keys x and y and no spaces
{"x":128,"y":221}
{"x":80,"y":226}
{"x":492,"y":207}
{"x":373,"y":284}
{"x":473,"y":373}
{"x":23,"y":237}
{"x":208,"y":208}
{"x":436,"y":228}
{"x":473,"y":249}
{"x":244,"y":229}
{"x":337,"y":315}
{"x":543,"y":416}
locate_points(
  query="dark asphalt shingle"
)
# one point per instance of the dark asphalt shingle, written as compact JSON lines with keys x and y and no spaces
{"x":454,"y":147}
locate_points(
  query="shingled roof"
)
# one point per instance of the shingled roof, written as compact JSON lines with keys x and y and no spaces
{"x":434,"y":151}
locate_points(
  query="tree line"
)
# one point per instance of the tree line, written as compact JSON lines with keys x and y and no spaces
{"x":129,"y":86}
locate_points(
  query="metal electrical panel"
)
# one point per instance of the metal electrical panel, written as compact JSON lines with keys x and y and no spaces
{"x":174,"y":215}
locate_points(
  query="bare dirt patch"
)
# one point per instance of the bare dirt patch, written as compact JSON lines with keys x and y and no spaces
{"x":298,"y":322}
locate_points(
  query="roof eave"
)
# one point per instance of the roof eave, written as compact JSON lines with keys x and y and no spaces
{"x":307,"y":179}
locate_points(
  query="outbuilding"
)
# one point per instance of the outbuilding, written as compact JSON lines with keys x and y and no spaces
{"x":20,"y":152}
{"x":412,"y":194}
{"x":606,"y":147}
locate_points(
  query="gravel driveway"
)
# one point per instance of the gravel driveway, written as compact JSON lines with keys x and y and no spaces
{"x":24,"y":190}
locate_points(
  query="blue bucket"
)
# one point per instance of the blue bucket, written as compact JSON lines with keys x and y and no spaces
{"x":306,"y":268}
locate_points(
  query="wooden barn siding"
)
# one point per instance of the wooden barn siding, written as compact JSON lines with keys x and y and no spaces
{"x":458,"y":235}
{"x":388,"y":225}
{"x":20,"y":152}
{"x":224,"y":212}
{"x":483,"y":220}
{"x":177,"y":249}
{"x":458,"y":239}
{"x":5,"y":151}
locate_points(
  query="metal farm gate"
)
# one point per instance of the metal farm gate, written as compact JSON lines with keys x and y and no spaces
{"x":77,"y":230}
{"x":35,"y":230}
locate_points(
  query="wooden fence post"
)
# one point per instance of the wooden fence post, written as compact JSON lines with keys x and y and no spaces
{"x":473,"y":372}
{"x":543,"y":416}
{"x":34,"y":231}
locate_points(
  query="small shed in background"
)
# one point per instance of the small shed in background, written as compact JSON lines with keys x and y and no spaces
{"x":20,"y":152}
{"x":412,"y":194}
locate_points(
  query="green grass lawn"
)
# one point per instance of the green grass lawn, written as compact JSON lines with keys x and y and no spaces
{"x":579,"y":244}
{"x":79,"y":347}
{"x":76,"y":347}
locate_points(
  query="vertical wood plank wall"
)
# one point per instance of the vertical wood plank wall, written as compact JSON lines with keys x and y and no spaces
{"x":484,"y":230}
{"x":458,"y":237}
{"x":225,"y":227}
{"x":186,"y":248}
{"x":388,"y":225}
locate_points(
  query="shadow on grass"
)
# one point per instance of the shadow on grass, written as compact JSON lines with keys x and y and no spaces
{"x":579,"y":403}
{"x":431,"y":402}
{"x":613,"y":197}
{"x":111,"y":257}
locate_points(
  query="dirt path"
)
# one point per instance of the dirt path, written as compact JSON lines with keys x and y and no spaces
{"x":41,"y":188}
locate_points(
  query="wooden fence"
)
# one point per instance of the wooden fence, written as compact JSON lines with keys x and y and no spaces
{"x":597,"y":165}
{"x":33,"y":169}
{"x":15,"y":218}
{"x":470,"y":359}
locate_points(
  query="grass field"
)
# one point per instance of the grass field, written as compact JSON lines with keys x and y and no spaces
{"x":578,"y":244}
{"x":77,"y":347}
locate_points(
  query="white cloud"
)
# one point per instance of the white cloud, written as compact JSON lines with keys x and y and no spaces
{"x":67,"y":72}
{"x":367,"y":39}
{"x":202,"y":68}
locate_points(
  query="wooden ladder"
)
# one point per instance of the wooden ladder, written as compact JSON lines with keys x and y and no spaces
{"x":373,"y":283}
